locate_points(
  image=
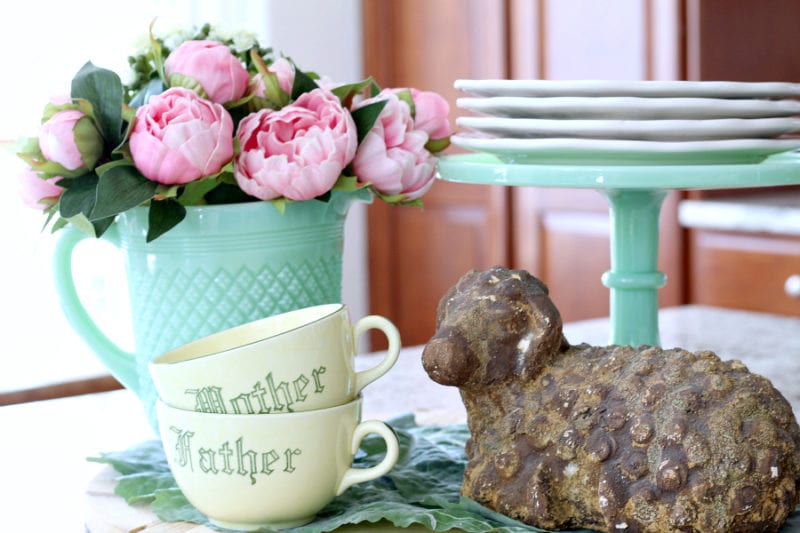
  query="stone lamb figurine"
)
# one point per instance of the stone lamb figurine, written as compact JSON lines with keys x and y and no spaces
{"x":616,"y":438}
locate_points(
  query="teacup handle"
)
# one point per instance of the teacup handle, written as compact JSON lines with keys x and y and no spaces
{"x":365,"y":377}
{"x":354,"y":476}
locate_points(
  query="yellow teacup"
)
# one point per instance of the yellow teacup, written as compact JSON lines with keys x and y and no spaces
{"x":248,"y":471}
{"x":295,"y":361}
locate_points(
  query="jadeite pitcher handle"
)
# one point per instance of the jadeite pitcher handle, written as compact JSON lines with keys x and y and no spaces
{"x":359,"y":475}
{"x":365,"y":377}
{"x":120,"y":363}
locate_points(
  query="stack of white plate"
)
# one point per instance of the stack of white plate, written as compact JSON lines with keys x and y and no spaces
{"x":629,"y":122}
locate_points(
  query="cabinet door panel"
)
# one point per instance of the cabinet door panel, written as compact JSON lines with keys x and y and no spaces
{"x":575,"y":252}
{"x":743,"y":271}
{"x":742,"y":40}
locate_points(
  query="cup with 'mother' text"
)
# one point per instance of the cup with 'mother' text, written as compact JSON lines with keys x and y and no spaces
{"x":248,"y":471}
{"x":296,"y":361}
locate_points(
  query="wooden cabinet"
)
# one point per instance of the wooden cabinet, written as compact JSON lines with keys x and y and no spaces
{"x":743,"y":40}
{"x":756,"y":272}
{"x":560,"y":235}
{"x":415,"y":255}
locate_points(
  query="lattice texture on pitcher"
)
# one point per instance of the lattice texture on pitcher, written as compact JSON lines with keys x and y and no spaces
{"x":181,"y":306}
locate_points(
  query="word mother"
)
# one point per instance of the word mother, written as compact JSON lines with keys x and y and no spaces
{"x":264,"y":397}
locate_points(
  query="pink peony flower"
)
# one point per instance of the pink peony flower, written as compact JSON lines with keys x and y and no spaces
{"x":37,"y":192}
{"x":298,"y":151}
{"x":392,"y":156}
{"x":71,"y":139}
{"x":180,"y":137}
{"x":430,"y":116}
{"x":211,"y":64}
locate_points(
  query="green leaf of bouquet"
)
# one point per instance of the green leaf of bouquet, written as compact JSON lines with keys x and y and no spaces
{"x":156,"y":53}
{"x":374,"y":89}
{"x":194,"y":192}
{"x":181,"y":80}
{"x":93,"y":228}
{"x":274,"y":97}
{"x":437,"y":145}
{"x":400,"y":200}
{"x":28,"y":145}
{"x":78,"y":221}
{"x":303,"y":83}
{"x":347,"y":183}
{"x":101,"y":225}
{"x":280,"y":204}
{"x":365,"y":117}
{"x":79,"y":195}
{"x":103,"y":88}
{"x":163,"y":216}
{"x":121,"y":188}
{"x":58,"y":224}
{"x":50,"y":212}
{"x":405,"y":96}
{"x":167,"y":191}
{"x":153,"y":87}
{"x":345,"y":93}
{"x":228,"y":193}
{"x":48,"y":169}
{"x":234,"y":105}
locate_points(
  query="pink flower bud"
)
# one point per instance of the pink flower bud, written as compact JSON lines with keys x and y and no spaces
{"x":72,"y":140}
{"x":37,"y":192}
{"x":431,"y":114}
{"x":211,"y":64}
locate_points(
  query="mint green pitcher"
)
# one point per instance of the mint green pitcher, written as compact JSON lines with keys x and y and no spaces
{"x":222,"y":266}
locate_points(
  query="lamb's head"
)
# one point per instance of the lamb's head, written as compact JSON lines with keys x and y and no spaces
{"x":491,"y":326}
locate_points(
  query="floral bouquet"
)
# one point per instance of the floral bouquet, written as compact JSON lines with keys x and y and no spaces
{"x":218,"y":119}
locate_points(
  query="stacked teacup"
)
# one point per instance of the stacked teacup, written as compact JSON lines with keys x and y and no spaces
{"x":260,"y":423}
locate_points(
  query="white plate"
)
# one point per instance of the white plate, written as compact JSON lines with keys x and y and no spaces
{"x":650,"y":130}
{"x":707,"y":89}
{"x":624,"y":152}
{"x":637,"y":108}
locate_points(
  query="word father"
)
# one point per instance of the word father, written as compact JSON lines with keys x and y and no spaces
{"x":231,"y":459}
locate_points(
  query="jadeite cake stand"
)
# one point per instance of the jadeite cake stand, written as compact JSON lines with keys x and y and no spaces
{"x":635,"y":194}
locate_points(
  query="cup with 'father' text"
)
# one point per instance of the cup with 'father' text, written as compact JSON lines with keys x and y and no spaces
{"x":249,"y":471}
{"x":296,"y":361}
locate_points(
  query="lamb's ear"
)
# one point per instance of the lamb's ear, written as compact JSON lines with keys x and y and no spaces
{"x":441,"y":308}
{"x":449,"y":360}
{"x":546,"y":339}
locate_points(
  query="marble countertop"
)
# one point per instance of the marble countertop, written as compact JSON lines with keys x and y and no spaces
{"x":770,"y":212}
{"x":768,"y":344}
